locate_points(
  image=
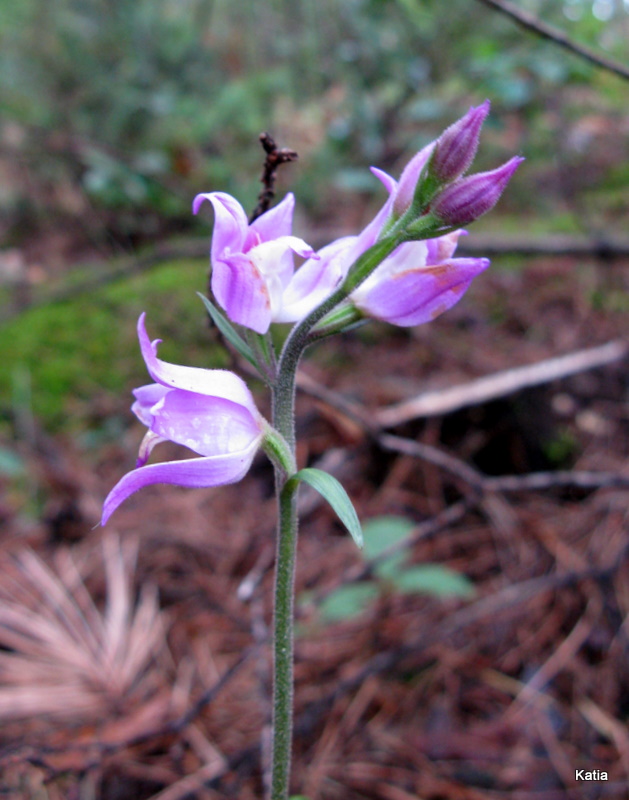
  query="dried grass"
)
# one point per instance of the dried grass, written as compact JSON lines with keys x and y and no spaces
{"x":64,"y":658}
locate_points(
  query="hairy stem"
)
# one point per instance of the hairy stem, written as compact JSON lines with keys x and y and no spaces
{"x":284,"y":395}
{"x":284,"y":423}
{"x":283,"y":644}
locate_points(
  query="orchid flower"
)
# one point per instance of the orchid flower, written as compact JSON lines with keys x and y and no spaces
{"x":252,"y":264}
{"x":416,"y":283}
{"x":210,"y":411}
{"x":419,"y":280}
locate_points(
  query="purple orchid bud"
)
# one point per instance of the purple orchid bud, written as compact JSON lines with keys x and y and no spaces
{"x":456,"y":147}
{"x":252,"y":265}
{"x":469,"y":198}
{"x":420,"y":261}
{"x":418,"y":282}
{"x":209,"y":411}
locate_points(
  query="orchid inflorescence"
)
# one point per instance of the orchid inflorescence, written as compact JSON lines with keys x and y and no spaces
{"x":400,"y":269}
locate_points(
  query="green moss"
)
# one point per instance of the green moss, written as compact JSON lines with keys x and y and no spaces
{"x":76,"y":351}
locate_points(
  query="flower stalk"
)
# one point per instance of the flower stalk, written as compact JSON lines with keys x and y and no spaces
{"x":283,"y":641}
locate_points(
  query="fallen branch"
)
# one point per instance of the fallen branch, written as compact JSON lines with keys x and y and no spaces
{"x":500,"y":384}
{"x":486,"y":607}
{"x":474,"y":392}
{"x":606,"y":248}
{"x":531,"y":481}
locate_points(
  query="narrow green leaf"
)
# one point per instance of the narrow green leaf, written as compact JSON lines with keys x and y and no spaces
{"x":347,"y":601}
{"x":228,"y":331}
{"x":435,"y":580}
{"x":329,"y":488}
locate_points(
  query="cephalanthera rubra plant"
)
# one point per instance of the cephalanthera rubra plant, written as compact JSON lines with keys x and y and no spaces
{"x":400,"y":269}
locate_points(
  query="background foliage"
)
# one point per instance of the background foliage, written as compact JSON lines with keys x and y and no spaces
{"x":116,"y":112}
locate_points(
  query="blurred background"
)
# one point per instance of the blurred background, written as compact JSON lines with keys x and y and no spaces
{"x":114,"y":114}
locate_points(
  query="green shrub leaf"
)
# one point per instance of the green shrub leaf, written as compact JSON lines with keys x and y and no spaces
{"x":382,"y":532}
{"x":347,"y":601}
{"x":435,"y":580}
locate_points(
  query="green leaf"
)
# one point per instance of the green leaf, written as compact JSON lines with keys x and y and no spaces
{"x":11,"y":464}
{"x":390,"y":568}
{"x":329,"y":488}
{"x":435,"y":580}
{"x":381,"y":532}
{"x":347,"y":601}
{"x":228,"y":331}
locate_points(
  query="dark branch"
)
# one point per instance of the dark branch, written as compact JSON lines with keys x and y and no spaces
{"x":531,"y":23}
{"x":275,"y":157}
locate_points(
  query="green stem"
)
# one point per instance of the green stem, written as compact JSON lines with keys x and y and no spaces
{"x":283,"y":642}
{"x":284,"y":423}
{"x":298,"y":340}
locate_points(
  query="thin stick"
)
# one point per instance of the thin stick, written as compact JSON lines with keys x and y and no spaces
{"x":531,"y":23}
{"x":275,"y":157}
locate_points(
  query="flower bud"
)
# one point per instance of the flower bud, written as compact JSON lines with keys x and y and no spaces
{"x":456,"y":147}
{"x":470,"y":198}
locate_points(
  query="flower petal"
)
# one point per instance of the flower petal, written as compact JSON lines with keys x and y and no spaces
{"x":145,"y":398}
{"x":408,"y":180}
{"x":241,"y":289}
{"x":277,"y":221}
{"x":146,"y":447}
{"x":315,"y":280}
{"x":208,"y":425}
{"x":230,"y":223}
{"x":443,"y":247}
{"x":211,"y":382}
{"x":420,"y":295}
{"x":192,"y":472}
{"x":407,"y":257}
{"x":390,"y":184}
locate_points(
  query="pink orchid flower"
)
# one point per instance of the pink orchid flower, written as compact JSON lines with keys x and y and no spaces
{"x":252,"y":264}
{"x":420,"y":279}
{"x":415,"y":284}
{"x":210,"y":411}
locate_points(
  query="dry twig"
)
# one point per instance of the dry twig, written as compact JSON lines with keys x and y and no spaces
{"x":275,"y":157}
{"x":531,"y":23}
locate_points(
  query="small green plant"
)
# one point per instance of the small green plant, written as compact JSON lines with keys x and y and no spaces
{"x":392,"y":573}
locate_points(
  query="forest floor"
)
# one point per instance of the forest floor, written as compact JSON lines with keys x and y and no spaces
{"x":501,"y":684}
